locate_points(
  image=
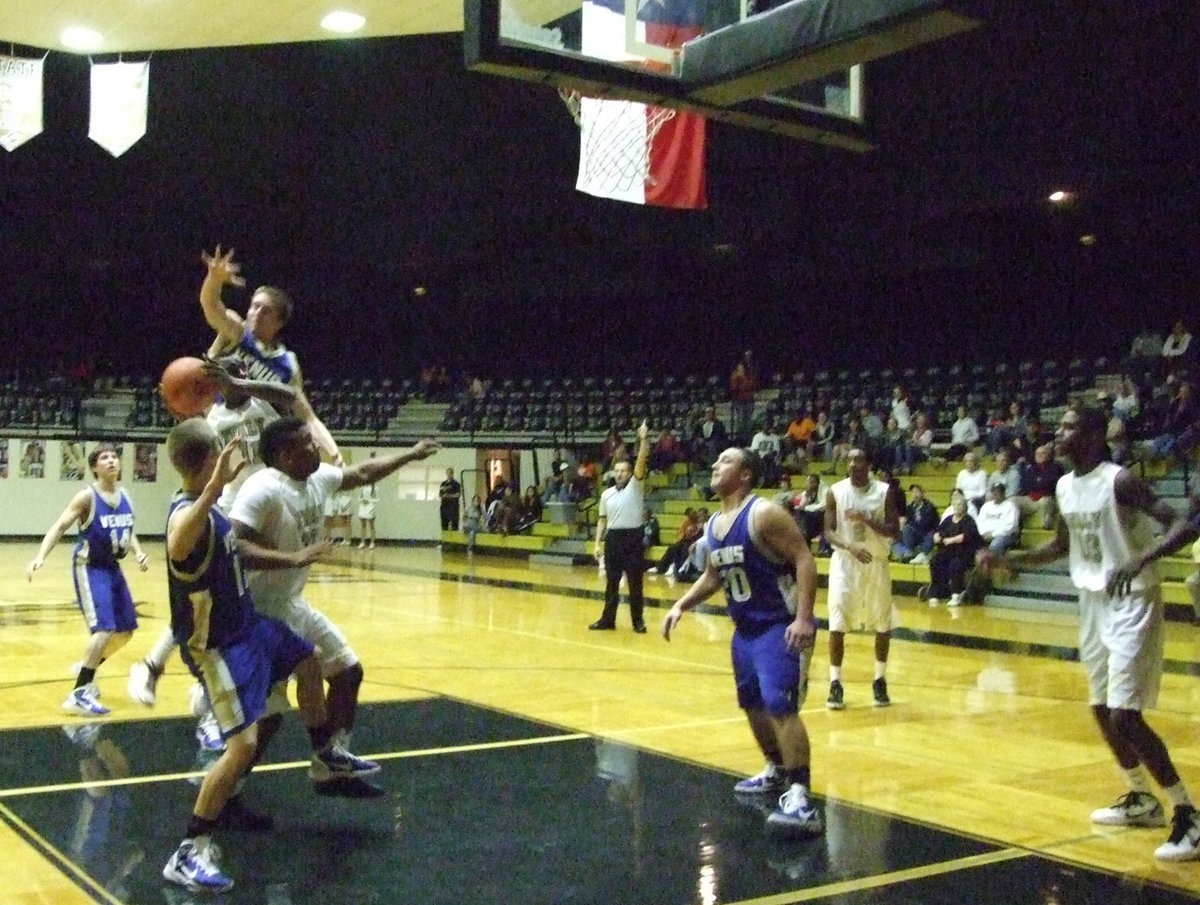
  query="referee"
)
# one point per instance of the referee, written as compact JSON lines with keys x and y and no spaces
{"x":619,"y":537}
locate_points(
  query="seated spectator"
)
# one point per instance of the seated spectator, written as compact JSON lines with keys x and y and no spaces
{"x":507,"y":514}
{"x":557,"y":489}
{"x":676,"y":554}
{"x":799,"y":433}
{"x":693,"y":565}
{"x":872,"y":426}
{"x":1178,"y":434}
{"x":1125,"y":403}
{"x":955,"y":543}
{"x":895,"y":493}
{"x":1120,"y":447}
{"x":964,"y":435}
{"x":853,"y":438}
{"x":1006,"y":473}
{"x":531,"y":507}
{"x":786,"y":495}
{"x":584,"y":483}
{"x":820,"y":443}
{"x":972,"y":480}
{"x":902,"y":408}
{"x":665,"y":452}
{"x":920,"y":443}
{"x":1176,"y":351}
{"x":917,"y":527}
{"x":767,"y":444}
{"x":1039,"y":479}
{"x":794,"y":462}
{"x":650,"y":529}
{"x":810,"y":512}
{"x":999,"y":521}
{"x":1147,"y":347}
{"x":710,"y":438}
{"x":995,"y":432}
{"x":893,"y":446}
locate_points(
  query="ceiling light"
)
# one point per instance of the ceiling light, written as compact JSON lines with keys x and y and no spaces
{"x":343,"y":22}
{"x":77,"y":37}
{"x":1060,"y":196}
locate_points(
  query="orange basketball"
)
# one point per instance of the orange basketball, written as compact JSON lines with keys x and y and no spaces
{"x":186,"y":389}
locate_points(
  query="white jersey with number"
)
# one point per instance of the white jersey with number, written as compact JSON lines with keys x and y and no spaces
{"x":1104,"y":536}
{"x":871,"y":500}
{"x":246,"y":423}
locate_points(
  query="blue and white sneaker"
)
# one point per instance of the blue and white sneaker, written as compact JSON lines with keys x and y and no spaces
{"x":208,"y":733}
{"x":194,"y":866}
{"x":795,"y":814}
{"x":771,"y":781}
{"x":335,"y":762}
{"x":83,"y":701}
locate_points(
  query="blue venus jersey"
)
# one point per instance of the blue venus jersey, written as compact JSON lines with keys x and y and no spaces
{"x":105,"y":537}
{"x":278,"y":365}
{"x":759,"y":591}
{"x":210,"y":606}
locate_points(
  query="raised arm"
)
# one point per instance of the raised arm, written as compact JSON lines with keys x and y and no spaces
{"x":372,"y":470}
{"x":641,"y":466}
{"x":189,"y":525}
{"x":77,"y":511}
{"x":281,"y":395}
{"x":222,"y":270}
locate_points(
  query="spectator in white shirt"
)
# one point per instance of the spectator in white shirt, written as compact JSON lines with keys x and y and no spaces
{"x":999,"y":521}
{"x":972,"y":480}
{"x":901,"y":410}
{"x":1176,"y":347}
{"x":964,"y":435}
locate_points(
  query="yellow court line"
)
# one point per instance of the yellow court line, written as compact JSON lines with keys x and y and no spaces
{"x":293,"y":765}
{"x":65,"y":864}
{"x":888,"y":879}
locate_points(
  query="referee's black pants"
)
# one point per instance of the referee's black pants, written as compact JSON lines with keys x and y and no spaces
{"x":623,"y":555}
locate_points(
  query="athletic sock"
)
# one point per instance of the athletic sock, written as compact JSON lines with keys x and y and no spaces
{"x":85,"y":676}
{"x":199,"y":826}
{"x":320,"y":736}
{"x":157,"y":658}
{"x":1138,"y":779}
{"x":880,"y":669}
{"x":801,"y":775}
{"x":835,"y":674}
{"x":1178,"y":795}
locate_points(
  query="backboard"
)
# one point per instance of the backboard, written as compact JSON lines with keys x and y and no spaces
{"x":794,"y":69}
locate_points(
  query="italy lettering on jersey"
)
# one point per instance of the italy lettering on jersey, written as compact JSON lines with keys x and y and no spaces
{"x":759,"y":590}
{"x":210,"y":604}
{"x":104,"y":537}
{"x":278,"y":364}
{"x":1104,"y":536}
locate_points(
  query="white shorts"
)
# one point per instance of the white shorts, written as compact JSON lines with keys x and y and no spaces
{"x":860,"y":594}
{"x":1121,"y":648}
{"x":366,"y":511}
{"x":332,"y":650}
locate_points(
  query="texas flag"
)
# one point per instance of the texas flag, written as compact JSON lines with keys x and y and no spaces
{"x":631,"y":151}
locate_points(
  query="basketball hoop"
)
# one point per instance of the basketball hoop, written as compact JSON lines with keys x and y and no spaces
{"x":617,"y":143}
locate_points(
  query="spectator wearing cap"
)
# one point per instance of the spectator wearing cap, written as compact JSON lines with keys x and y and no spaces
{"x":999,"y":520}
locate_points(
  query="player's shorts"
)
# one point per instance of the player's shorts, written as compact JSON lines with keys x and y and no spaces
{"x":860,"y":594}
{"x":104,"y":598}
{"x":366,"y":511}
{"x":343,"y":504}
{"x":238,"y":679}
{"x":333,"y":651}
{"x":768,"y":675}
{"x":1121,"y":647}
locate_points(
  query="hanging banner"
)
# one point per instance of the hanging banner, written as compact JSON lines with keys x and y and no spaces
{"x":119,"y":93}
{"x":20,"y":101}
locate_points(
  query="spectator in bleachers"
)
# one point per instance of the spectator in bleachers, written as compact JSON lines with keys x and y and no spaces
{"x":506,"y":512}
{"x":917,"y":527}
{"x":556,"y":489}
{"x":531,"y":506}
{"x":955,"y":543}
{"x":584,"y":483}
{"x":1176,"y":350}
{"x":651,"y":531}
{"x":666,"y":451}
{"x":920,"y":444}
{"x":742,"y":386}
{"x":767,"y":443}
{"x":999,"y":521}
{"x":964,"y":435}
{"x":1146,"y":348}
{"x":810,"y":512}
{"x":799,"y":432}
{"x":1007,"y":473}
{"x":694,"y":562}
{"x":896,"y":497}
{"x":872,"y":426}
{"x":613,"y":449}
{"x":473,"y":522}
{"x":1178,"y":434}
{"x":893,"y":446}
{"x":995,"y":431}
{"x":972,"y":480}
{"x":560,"y":459}
{"x":854,"y":438}
{"x":710,"y":438}
{"x":676,"y":554}
{"x":1125,"y":404}
{"x":820,"y":443}
{"x":902,"y":408}
{"x":1039,"y":479}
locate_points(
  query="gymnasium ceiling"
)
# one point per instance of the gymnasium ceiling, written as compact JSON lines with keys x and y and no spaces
{"x":145,"y":25}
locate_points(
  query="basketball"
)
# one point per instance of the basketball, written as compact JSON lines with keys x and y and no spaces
{"x":186,"y":389}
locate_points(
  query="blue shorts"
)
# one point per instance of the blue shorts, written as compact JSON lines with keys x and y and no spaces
{"x":768,"y":675}
{"x":237,"y":678}
{"x":104,"y":598}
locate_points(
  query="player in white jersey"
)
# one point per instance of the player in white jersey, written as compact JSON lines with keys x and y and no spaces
{"x":860,"y":524}
{"x":1106,"y":531}
{"x":241,"y":412}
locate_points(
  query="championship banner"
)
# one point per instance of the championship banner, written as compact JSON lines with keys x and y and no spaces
{"x":20,"y":101}
{"x":119,"y":97}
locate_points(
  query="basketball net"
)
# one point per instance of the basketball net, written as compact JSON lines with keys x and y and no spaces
{"x":617,"y":140}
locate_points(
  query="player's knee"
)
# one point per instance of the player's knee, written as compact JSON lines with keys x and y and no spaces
{"x":308,"y":670}
{"x":1126,"y":723}
{"x":779,"y":703}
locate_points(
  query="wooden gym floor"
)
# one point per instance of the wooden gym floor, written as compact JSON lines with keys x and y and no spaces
{"x":529,"y":760}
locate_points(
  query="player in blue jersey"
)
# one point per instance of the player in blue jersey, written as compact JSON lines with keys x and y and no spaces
{"x":237,"y":654}
{"x":254,"y":339}
{"x":757,"y":553}
{"x":105,"y":517}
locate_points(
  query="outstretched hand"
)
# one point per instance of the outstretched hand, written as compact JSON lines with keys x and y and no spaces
{"x":1120,"y":582}
{"x":643,"y":431}
{"x":423,"y":449}
{"x":223,"y":267}
{"x":220,"y":375}
{"x":226,"y":469}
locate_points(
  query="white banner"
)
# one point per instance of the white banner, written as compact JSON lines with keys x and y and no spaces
{"x":119,"y":93}
{"x":20,"y":101}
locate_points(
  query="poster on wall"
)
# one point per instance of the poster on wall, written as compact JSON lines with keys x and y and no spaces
{"x":33,"y":459}
{"x":74,"y":462}
{"x":145,"y":462}
{"x":3,"y":458}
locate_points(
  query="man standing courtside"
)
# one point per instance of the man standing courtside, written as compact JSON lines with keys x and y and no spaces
{"x":450,"y":499}
{"x":619,"y":537}
{"x":760,"y":557}
{"x":1105,"y":530}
